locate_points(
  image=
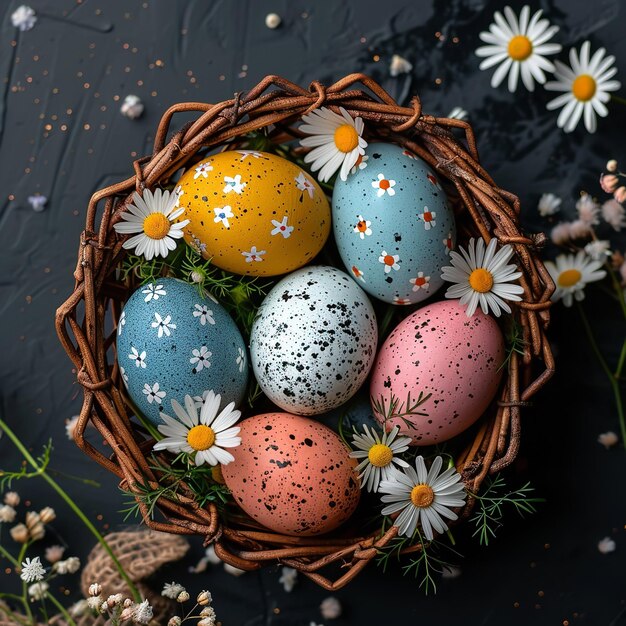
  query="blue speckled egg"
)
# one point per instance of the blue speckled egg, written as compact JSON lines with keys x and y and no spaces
{"x":393,"y":225}
{"x":354,"y":414}
{"x":172,"y":342}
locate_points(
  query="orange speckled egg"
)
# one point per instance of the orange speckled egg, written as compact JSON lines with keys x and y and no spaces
{"x":292,"y":474}
{"x":253,"y":213}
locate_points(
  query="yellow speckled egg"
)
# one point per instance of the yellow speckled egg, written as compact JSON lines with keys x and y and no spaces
{"x":253,"y":213}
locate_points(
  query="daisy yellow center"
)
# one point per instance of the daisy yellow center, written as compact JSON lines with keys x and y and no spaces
{"x":156,"y":226}
{"x":520,"y":48}
{"x":584,"y":87}
{"x":346,"y":138}
{"x":201,"y":437}
{"x":569,"y":278}
{"x":216,"y":474}
{"x":380,"y":455}
{"x":422,"y":496}
{"x":481,"y":280}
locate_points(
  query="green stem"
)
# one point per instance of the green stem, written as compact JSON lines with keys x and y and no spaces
{"x":68,"y":500}
{"x":619,"y":292}
{"x":618,"y":99}
{"x":62,"y":610}
{"x":386,"y":321}
{"x":620,"y":362}
{"x":7,"y":555}
{"x":85,"y":481}
{"x":25,"y":602}
{"x":603,"y":364}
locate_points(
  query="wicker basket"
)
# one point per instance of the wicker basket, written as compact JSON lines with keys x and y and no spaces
{"x":84,"y":321}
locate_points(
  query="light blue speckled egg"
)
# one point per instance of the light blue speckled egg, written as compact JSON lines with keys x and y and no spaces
{"x":354,"y":414}
{"x":172,"y":342}
{"x":393,"y":226}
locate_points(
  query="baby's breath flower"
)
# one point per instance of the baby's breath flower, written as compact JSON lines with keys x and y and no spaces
{"x":115,"y":600}
{"x":588,"y":209}
{"x":204,"y":598}
{"x":450,"y":572}
{"x":330,"y":608}
{"x":12,"y":498}
{"x":174,"y":621}
{"x":47,"y":515}
{"x":613,"y":214}
{"x":399,"y":65}
{"x":608,"y":439}
{"x":78,"y":609}
{"x":549,"y":204}
{"x":70,"y":426}
{"x":579,"y":229}
{"x":128,"y":613}
{"x":32,"y":570}
{"x":288,"y":578}
{"x":39,"y":590}
{"x":561,"y":233}
{"x":606,"y":545}
{"x":19,"y":533}
{"x":143,"y":613}
{"x":35,"y":526}
{"x":7,"y":514}
{"x":54,"y":553}
{"x":208,"y":611}
{"x":95,"y":589}
{"x":69,"y":566}
{"x":94,"y":602}
{"x":196,"y":277}
{"x":183,"y":596}
{"x":598,"y":250}
{"x":620,"y":194}
{"x":611,"y":166}
{"x":172,"y":590}
{"x":128,"y":603}
{"x":609,"y":182}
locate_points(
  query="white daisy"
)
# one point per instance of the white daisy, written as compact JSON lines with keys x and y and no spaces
{"x":384,"y":185}
{"x":423,"y":497}
{"x":570,"y":275}
{"x":205,"y":435}
{"x":233,"y":183}
{"x":140,"y":359}
{"x":390,"y":261}
{"x":379,"y":455}
{"x":458,"y":113}
{"x":428,"y":217}
{"x":519,"y":47}
{"x":586,"y":86}
{"x":548,"y":204}
{"x":222,"y":214}
{"x":241,"y":359}
{"x":362,"y":227}
{"x":282,"y":228}
{"x":153,"y":292}
{"x":153,"y":393}
{"x":358,"y":274}
{"x":200,"y":359}
{"x":203,"y":170}
{"x":336,"y":140}
{"x":483,"y":277}
{"x":401,"y":301}
{"x":254,"y":255}
{"x":361,"y":164}
{"x":163,"y":324}
{"x":32,"y":571}
{"x":204,"y":313}
{"x":152,"y":218}
{"x":121,"y":323}
{"x":304,"y":184}
{"x":420,"y":282}
{"x":599,"y":249}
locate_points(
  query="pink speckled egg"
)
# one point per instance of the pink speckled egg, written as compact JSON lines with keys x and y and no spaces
{"x":292,"y":474}
{"x":440,"y":351}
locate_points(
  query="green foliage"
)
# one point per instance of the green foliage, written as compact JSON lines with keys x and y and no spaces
{"x":424,"y":563}
{"x":146,"y":271}
{"x":43,"y":460}
{"x":181,"y":471}
{"x":397,"y":409}
{"x":491,"y":505}
{"x":514,"y":342}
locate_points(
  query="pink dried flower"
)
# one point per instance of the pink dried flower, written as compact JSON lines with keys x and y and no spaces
{"x":613,"y":214}
{"x":561,"y":234}
{"x":620,"y":194}
{"x":54,"y":553}
{"x":608,"y":439}
{"x":12,"y":498}
{"x":580,"y":229}
{"x":588,"y":209}
{"x":609,"y":182}
{"x":611,"y":166}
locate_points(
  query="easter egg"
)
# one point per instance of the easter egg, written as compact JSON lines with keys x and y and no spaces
{"x":313,"y":340}
{"x":451,"y":362}
{"x":173,"y":342}
{"x":354,"y":414}
{"x":253,"y":213}
{"x":393,"y":226}
{"x":292,"y":474}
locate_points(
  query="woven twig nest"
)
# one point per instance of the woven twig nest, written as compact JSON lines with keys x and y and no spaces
{"x":85,"y":320}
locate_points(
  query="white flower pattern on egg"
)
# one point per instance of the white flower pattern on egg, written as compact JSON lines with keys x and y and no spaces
{"x":282,"y":228}
{"x":233,"y":183}
{"x":153,"y":291}
{"x":203,"y":312}
{"x":164,"y":325}
{"x":201,"y":358}
{"x":153,"y":393}
{"x":138,"y":358}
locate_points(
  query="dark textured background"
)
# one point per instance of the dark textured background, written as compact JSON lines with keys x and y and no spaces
{"x":63,"y":136}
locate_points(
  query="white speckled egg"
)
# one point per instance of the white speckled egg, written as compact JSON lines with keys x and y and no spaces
{"x":393,"y":226}
{"x":313,"y":340}
{"x":172,"y":342}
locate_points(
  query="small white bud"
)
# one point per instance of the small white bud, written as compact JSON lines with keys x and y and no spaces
{"x":273,"y":20}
